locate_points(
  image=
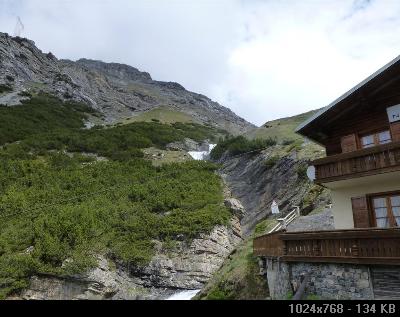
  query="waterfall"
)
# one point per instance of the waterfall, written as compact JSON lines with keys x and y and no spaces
{"x":184,"y":295}
{"x":202,"y":155}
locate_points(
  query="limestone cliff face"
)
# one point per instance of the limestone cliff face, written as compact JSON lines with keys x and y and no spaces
{"x":256,"y":182}
{"x":190,"y":267}
{"x":118,"y":91}
{"x":184,"y":267}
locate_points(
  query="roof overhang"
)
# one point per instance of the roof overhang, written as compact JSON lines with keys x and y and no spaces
{"x":387,"y":73}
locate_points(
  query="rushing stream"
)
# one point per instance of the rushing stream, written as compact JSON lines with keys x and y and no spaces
{"x":202,"y":155}
{"x":184,"y":295}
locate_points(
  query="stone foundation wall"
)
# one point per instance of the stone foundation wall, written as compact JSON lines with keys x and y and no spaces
{"x":327,"y":281}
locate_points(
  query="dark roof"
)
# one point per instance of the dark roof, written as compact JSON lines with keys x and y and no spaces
{"x":382,"y":76}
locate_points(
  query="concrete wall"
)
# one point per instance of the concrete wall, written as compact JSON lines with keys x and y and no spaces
{"x":327,"y":281}
{"x":343,"y":191}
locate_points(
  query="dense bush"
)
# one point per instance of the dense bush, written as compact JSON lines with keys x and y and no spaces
{"x":302,"y":171}
{"x":37,"y":115}
{"x":59,"y":209}
{"x":67,"y":210}
{"x":45,"y":123}
{"x":240,"y":144}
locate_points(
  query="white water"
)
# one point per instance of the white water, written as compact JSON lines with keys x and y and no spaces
{"x":202,"y":155}
{"x":184,"y":295}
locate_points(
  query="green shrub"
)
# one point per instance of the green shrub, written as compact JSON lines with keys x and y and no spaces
{"x":219,"y":294}
{"x":239,"y":145}
{"x":69,"y":211}
{"x":45,"y":123}
{"x":39,"y":115}
{"x":264,"y":226}
{"x":5,"y":88}
{"x":288,"y":141}
{"x":302,"y":172}
{"x":271,"y":161}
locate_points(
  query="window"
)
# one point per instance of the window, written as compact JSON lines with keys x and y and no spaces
{"x":376,"y":139}
{"x":367,"y":141}
{"x":387,"y":210}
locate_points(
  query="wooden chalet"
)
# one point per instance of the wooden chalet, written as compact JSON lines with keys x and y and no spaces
{"x":361,"y":134}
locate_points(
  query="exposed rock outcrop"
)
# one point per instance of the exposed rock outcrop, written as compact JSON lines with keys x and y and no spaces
{"x":189,"y":267}
{"x":118,"y":91}
{"x":185,"y":266}
{"x":188,"y":145}
{"x":256,"y":182}
{"x":103,"y":282}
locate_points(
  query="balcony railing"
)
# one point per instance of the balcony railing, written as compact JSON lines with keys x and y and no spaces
{"x":284,"y":222}
{"x":360,"y":246}
{"x":369,"y":161}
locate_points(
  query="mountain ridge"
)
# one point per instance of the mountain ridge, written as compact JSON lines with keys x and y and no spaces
{"x":118,"y":91}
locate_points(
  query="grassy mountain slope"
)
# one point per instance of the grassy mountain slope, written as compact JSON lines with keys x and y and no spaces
{"x":238,"y":278}
{"x":280,"y":129}
{"x":163,"y":115}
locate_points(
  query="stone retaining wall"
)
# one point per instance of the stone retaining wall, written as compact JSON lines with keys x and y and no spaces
{"x":327,"y":281}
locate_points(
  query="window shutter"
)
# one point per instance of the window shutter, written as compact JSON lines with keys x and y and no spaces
{"x":395,"y":129}
{"x":360,"y":212}
{"x":349,"y":143}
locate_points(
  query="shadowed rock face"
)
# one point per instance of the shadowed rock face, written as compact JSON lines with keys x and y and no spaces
{"x":256,"y":185}
{"x":118,"y":91}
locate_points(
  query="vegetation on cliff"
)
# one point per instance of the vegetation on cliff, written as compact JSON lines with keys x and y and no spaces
{"x":238,"y":145}
{"x":238,"y":278}
{"x":59,"y":209}
{"x":44,"y":123}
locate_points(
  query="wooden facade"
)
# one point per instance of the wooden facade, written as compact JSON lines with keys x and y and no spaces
{"x":363,"y":162}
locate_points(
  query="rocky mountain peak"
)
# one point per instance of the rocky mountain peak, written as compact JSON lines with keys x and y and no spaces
{"x":117,"y":70}
{"x":118,"y":91}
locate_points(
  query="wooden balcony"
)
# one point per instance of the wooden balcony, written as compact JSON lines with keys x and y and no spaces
{"x":358,"y":246}
{"x":374,"y":160}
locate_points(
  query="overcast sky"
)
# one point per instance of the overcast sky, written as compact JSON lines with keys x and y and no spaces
{"x":263,"y":59}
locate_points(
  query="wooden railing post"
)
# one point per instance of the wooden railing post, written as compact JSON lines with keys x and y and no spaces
{"x":316,"y":248}
{"x":285,"y":248}
{"x":355,"y":248}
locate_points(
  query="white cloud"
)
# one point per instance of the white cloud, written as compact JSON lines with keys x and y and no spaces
{"x":263,"y":59}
